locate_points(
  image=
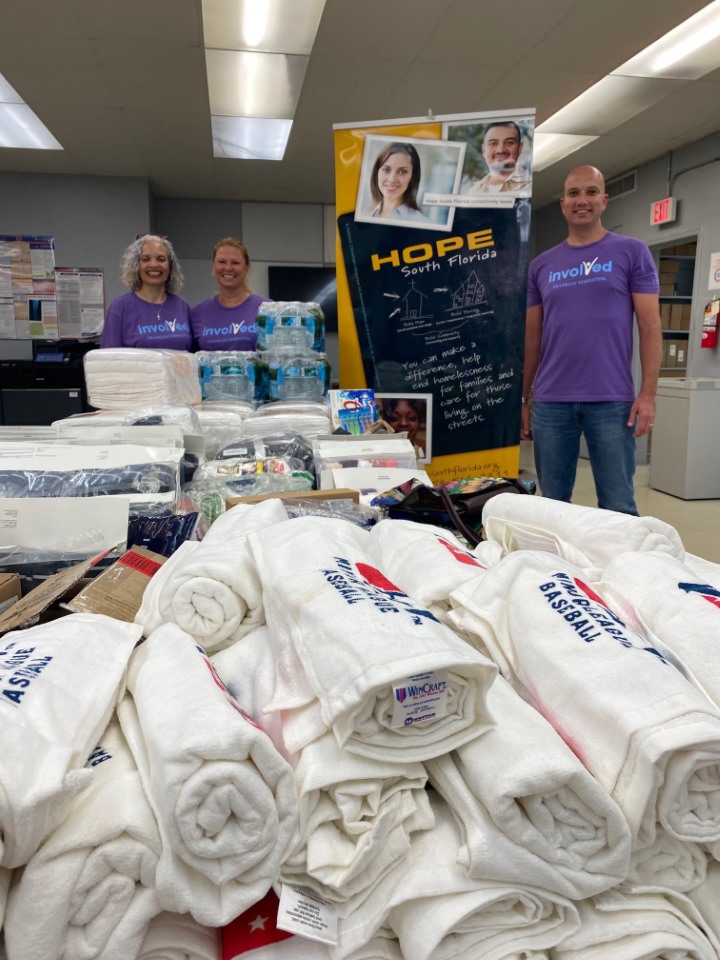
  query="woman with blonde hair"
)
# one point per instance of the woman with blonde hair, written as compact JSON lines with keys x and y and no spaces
{"x":151,"y":314}
{"x":226,"y":321}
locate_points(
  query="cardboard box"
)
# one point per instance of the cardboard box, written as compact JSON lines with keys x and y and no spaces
{"x":10,"y":591}
{"x":118,"y":592}
{"x":667,"y":288}
{"x":665,"y":313}
{"x":36,"y":604}
{"x":685,"y":316}
{"x":675,"y":315}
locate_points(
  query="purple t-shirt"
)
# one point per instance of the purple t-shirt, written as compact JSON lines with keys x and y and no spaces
{"x":133,"y":322}
{"x":587,"y":328}
{"x":216,"y":327}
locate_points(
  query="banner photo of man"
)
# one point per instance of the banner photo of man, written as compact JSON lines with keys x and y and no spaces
{"x":433,"y":224}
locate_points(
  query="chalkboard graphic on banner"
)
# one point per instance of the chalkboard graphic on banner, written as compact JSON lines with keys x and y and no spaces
{"x":444,"y":316}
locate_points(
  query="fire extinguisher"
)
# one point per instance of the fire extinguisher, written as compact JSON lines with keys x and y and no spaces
{"x":709,"y":338}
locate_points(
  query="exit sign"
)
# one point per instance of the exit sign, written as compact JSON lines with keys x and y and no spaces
{"x":663,"y":211}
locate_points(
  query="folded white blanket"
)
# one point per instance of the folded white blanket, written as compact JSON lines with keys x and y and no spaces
{"x":223,"y":796}
{"x":437,"y":910}
{"x":119,"y":378}
{"x":95,"y":874}
{"x":662,"y":597}
{"x":58,"y":686}
{"x":528,"y":809}
{"x":650,"y":738}
{"x":669,"y":863}
{"x":213,"y":591}
{"x":424,"y":561}
{"x":642,"y":925}
{"x":706,"y":898}
{"x":356,"y":818}
{"x":175,"y":936}
{"x":585,"y":536}
{"x":364,"y":648}
{"x":254,"y":936}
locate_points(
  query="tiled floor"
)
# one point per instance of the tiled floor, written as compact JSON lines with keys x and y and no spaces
{"x":697,"y":521}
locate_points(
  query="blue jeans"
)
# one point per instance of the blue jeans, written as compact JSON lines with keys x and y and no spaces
{"x":557,"y":428}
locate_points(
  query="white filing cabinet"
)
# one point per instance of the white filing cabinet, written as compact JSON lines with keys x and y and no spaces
{"x":685,"y":453}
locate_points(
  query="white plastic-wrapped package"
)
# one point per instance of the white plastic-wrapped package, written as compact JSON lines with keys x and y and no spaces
{"x":120,"y":378}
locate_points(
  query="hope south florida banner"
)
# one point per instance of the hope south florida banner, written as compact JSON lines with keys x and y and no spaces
{"x":433,"y":220}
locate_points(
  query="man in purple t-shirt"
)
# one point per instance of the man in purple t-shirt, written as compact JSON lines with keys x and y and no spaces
{"x":582,"y":297}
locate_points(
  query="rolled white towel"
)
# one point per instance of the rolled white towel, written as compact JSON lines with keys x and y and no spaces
{"x":95,"y":874}
{"x":254,"y":936}
{"x":355,"y":814}
{"x":356,"y":819}
{"x":706,"y":898}
{"x":175,"y":936}
{"x":663,"y":598}
{"x":359,"y":643}
{"x":527,"y":807}
{"x":247,"y":668}
{"x":649,"y":737}
{"x":148,"y":614}
{"x":642,"y":925}
{"x":437,"y":910}
{"x":223,"y":796}
{"x":59,"y":683}
{"x":705,"y":570}
{"x":585,"y":536}
{"x":249,"y":671}
{"x":425,"y":561}
{"x":213,"y":592}
{"x":669,"y":863}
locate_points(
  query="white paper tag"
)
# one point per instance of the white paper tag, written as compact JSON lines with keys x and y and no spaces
{"x":303,"y":912}
{"x":420,"y":698}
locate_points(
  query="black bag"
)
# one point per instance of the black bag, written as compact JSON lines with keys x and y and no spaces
{"x":456,"y":506}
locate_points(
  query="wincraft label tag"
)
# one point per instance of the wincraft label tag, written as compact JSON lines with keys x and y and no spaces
{"x":420,"y":698}
{"x":303,"y":912}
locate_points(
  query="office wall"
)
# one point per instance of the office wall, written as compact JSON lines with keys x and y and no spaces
{"x":92,"y":218}
{"x":694,"y":172}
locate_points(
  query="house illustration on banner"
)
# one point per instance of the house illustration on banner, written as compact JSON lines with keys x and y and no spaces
{"x":414,"y":304}
{"x":469,"y":293}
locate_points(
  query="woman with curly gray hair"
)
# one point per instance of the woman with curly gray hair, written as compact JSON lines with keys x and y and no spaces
{"x":151,"y":314}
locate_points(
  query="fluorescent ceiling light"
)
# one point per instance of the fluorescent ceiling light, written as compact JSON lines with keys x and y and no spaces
{"x":272,"y":26}
{"x":548,"y":148}
{"x":244,"y":84}
{"x":256,"y":55}
{"x":7,"y":93}
{"x":687,"y":52}
{"x":607,"y":104}
{"x":242,"y":138}
{"x":20,"y":128}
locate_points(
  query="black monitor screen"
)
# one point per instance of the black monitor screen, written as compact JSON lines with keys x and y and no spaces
{"x":307,"y":284}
